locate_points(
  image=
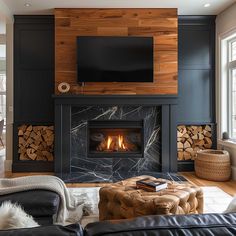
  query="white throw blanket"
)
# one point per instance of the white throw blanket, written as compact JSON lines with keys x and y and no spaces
{"x":70,"y":209}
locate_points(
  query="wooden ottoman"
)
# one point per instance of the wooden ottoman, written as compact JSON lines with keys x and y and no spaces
{"x":123,"y":200}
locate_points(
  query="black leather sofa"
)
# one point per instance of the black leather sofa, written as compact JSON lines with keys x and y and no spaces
{"x":41,"y":204}
{"x":49,"y":230}
{"x":179,"y":225}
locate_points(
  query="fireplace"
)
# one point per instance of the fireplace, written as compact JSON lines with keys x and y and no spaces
{"x":115,"y":138}
{"x":109,"y":138}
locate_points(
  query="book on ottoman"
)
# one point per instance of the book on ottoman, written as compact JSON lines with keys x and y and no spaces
{"x":151,"y":185}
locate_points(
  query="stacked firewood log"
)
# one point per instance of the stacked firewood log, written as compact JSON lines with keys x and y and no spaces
{"x":35,"y":142}
{"x":191,"y":139}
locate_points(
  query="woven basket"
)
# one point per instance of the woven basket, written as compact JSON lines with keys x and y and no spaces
{"x":213,"y":165}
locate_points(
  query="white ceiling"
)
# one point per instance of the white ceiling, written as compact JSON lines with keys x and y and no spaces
{"x":185,"y":7}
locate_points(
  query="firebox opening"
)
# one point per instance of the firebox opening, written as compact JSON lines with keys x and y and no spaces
{"x":115,"y":139}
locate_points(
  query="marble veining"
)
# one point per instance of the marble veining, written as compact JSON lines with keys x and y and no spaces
{"x":111,"y":168}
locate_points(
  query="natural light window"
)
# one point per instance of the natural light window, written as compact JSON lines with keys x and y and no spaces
{"x":233,"y":48}
{"x":231,"y":80}
{"x":233,"y":106}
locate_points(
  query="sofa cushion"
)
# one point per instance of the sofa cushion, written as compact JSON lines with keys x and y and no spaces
{"x":35,"y":202}
{"x":184,"y":225}
{"x":52,"y":230}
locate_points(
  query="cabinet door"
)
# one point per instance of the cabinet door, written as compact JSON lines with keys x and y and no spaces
{"x":196,"y":70}
{"x":195,"y":93}
{"x":33,"y":69}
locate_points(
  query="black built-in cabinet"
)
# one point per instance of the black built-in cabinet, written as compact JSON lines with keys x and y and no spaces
{"x":33,"y":80}
{"x":196,"y":74}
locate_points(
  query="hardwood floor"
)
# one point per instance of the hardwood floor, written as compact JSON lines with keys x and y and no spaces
{"x":9,"y":174}
{"x":228,"y":187}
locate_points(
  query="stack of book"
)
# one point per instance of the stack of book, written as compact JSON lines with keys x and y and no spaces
{"x":151,"y":185}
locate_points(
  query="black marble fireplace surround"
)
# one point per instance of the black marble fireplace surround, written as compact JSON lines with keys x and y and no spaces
{"x":74,"y":113}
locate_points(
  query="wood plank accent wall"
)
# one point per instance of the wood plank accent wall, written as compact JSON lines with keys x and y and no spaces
{"x":162,"y":24}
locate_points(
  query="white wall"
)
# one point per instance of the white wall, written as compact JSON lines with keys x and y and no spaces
{"x":226,"y":20}
{"x":225,"y":25}
{"x":9,"y":95}
{"x":6,"y":15}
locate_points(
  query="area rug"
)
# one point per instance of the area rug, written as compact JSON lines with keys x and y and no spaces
{"x":215,"y":201}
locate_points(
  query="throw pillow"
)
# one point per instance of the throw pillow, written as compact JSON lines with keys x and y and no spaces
{"x":12,"y":216}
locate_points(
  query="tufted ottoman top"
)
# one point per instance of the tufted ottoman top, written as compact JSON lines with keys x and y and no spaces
{"x":123,"y":200}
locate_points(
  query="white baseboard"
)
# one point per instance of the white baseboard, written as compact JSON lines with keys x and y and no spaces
{"x":8,"y":165}
{"x":233,"y":168}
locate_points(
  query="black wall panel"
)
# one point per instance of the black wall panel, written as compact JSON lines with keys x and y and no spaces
{"x":194,"y":50}
{"x":196,"y":72}
{"x":33,"y":101}
{"x":33,"y":80}
{"x":195,"y":105}
{"x":196,"y":69}
{"x":33,"y":69}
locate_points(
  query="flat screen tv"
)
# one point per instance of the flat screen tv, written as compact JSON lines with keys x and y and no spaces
{"x":114,"y":59}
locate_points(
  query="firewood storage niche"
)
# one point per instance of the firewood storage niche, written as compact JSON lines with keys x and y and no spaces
{"x":36,"y":143}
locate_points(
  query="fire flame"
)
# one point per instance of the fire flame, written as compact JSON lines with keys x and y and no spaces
{"x":120,"y":141}
{"x":109,"y":141}
{"x":119,"y":138}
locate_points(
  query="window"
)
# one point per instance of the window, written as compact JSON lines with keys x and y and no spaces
{"x":231,"y":81}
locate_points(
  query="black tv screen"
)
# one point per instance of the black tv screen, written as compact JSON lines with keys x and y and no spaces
{"x":114,"y":59}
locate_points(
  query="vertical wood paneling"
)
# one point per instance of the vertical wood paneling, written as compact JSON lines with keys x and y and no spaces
{"x":162,"y":24}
